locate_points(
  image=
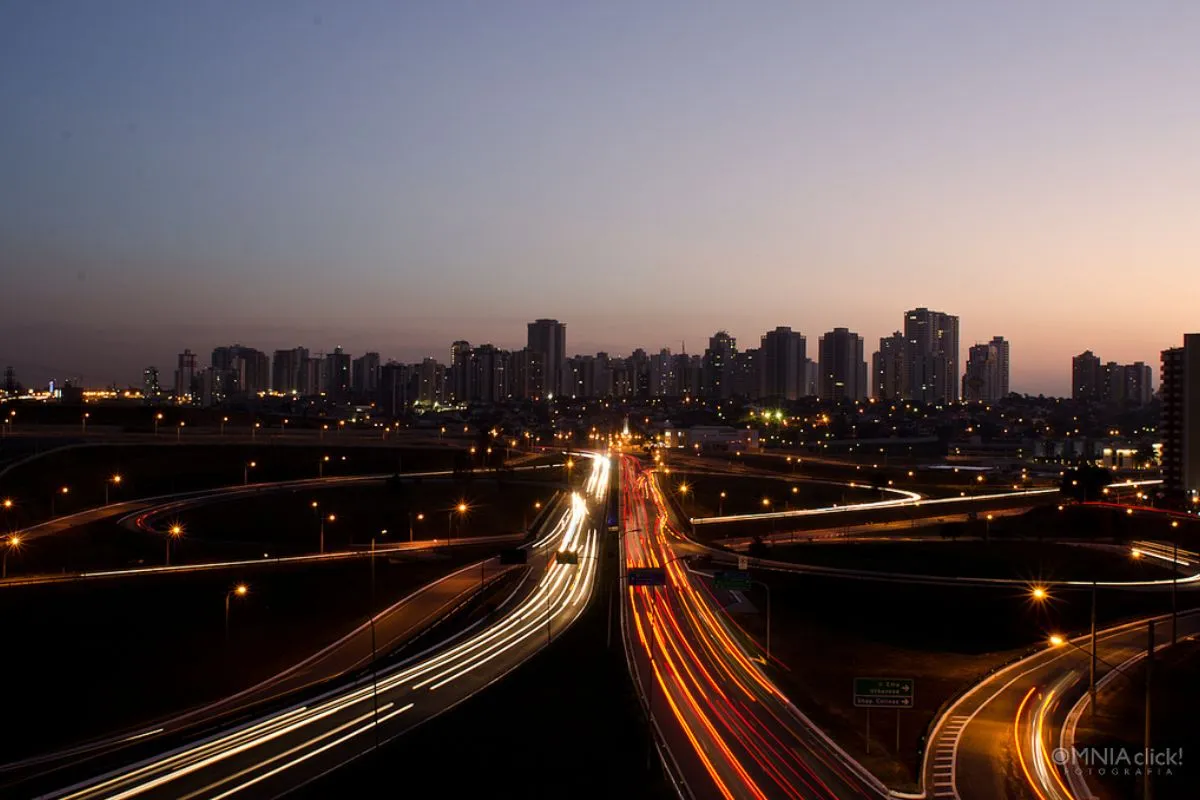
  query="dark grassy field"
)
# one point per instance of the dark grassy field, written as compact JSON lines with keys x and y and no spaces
{"x":153,"y":469}
{"x":826,"y":632}
{"x":1121,"y":720}
{"x":86,"y":659}
{"x":1025,"y":560}
{"x":565,"y":724}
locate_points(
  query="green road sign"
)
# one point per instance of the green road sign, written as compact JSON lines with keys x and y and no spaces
{"x":566,"y":557}
{"x":884,"y":692}
{"x":739,"y":581}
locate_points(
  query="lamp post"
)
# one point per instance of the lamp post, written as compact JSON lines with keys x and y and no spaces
{"x":461,"y":508}
{"x":223,"y":421}
{"x":249,"y":465}
{"x":1040,"y":594}
{"x":174,"y":532}
{"x":419,"y":518}
{"x":321,"y":466}
{"x":115,"y":480}
{"x":254,"y":431}
{"x":240,"y":591}
{"x":721,"y":505}
{"x":179,"y":431}
{"x":1174,"y":580}
{"x":157,"y":419}
{"x":330,"y":518}
{"x":64,"y":491}
{"x":10,"y":544}
{"x":83,"y":423}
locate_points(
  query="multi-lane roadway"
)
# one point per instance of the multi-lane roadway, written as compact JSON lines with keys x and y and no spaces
{"x":286,"y":749}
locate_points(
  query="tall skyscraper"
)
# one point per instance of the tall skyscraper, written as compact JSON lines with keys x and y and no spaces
{"x":396,"y":390}
{"x":286,"y":368}
{"x":843,"y":370}
{"x":337,"y":374}
{"x":887,"y":368}
{"x":1087,"y":380}
{"x":986,"y":376}
{"x":151,"y":391}
{"x":185,"y":374}
{"x":718,"y":365}
{"x":549,"y":337}
{"x":783,"y":353}
{"x":1180,"y":422}
{"x":364,"y":375}
{"x":930,"y":356}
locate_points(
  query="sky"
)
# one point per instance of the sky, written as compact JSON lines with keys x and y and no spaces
{"x":395,"y":176}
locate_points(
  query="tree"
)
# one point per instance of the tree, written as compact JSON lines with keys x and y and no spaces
{"x":1085,"y":483}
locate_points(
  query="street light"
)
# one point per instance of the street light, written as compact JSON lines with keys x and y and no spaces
{"x":241,"y":590}
{"x":321,"y":467}
{"x":721,"y":505}
{"x":64,"y":491}
{"x":223,"y":421}
{"x":254,"y":431}
{"x":179,"y":431}
{"x":157,"y":419}
{"x":11,"y":543}
{"x":1056,"y":640}
{"x":249,"y":465}
{"x":1174,"y":579}
{"x":115,"y":480}
{"x":330,"y":518}
{"x":174,"y":532}
{"x":419,"y":518}
{"x":461,"y":508}
{"x":83,"y":422}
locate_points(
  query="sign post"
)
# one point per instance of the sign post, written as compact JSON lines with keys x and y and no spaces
{"x":729,"y":579}
{"x":897,"y":693}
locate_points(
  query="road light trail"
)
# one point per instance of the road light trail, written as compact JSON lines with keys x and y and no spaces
{"x":725,"y":724}
{"x":289,"y":748}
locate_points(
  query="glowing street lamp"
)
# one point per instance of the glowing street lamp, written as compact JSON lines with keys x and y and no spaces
{"x":461,"y":508}
{"x":321,"y":466}
{"x":1057,"y":640}
{"x":179,"y":431}
{"x":115,"y":480}
{"x":241,"y":590}
{"x":157,"y":419}
{"x":223,"y":421}
{"x":11,"y":543}
{"x":721,"y":505}
{"x":249,"y":465}
{"x":1039,"y":593}
{"x":174,"y":532}
{"x":324,"y":519}
{"x":83,"y":422}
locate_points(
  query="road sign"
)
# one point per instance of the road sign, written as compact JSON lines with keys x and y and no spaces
{"x":732,"y":580}
{"x":647,"y":576}
{"x":566,"y":557}
{"x":743,"y":563}
{"x":884,"y":692}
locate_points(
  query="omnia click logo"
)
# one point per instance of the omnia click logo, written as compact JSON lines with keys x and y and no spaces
{"x":1118,"y":760}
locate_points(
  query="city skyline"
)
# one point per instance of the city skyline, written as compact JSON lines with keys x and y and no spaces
{"x":392,"y":178}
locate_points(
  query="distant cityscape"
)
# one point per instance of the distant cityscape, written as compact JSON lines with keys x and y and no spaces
{"x":917,"y":366}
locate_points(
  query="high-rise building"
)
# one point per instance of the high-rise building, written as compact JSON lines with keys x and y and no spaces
{"x":151,"y":391}
{"x":986,"y":376}
{"x":662,"y":374}
{"x":528,"y":377}
{"x":887,"y":368}
{"x":364,"y":375}
{"x":1180,"y":422}
{"x":286,"y":369}
{"x":459,"y":379}
{"x":746,"y":378}
{"x":240,"y":370}
{"x":843,"y":370}
{"x":1138,"y":388}
{"x":812,"y":378}
{"x":549,"y":337}
{"x":396,"y":391}
{"x":1087,"y":381}
{"x":930,"y":356}
{"x":718,"y":365}
{"x":185,"y":375}
{"x":784,"y":352}
{"x":431,"y":385}
{"x":336,"y":381}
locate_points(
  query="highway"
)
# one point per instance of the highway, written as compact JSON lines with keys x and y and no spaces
{"x":286,"y":749}
{"x":724,"y":730}
{"x":998,"y":741}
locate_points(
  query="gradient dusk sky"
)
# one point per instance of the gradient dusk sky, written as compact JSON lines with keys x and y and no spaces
{"x":395,"y":175}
